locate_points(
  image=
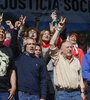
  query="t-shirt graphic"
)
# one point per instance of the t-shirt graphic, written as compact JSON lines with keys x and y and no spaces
{"x":4,"y":63}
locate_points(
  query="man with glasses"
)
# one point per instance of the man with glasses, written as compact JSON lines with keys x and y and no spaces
{"x":67,"y":70}
{"x":31,"y":72}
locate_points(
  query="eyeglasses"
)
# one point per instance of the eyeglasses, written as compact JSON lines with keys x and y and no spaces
{"x":32,"y":32}
{"x":30,"y":44}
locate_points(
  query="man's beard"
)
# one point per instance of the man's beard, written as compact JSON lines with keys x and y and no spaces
{"x":69,"y":54}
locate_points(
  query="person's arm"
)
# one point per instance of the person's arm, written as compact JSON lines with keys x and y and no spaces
{"x":53,"y":27}
{"x":54,"y":16}
{"x":13,"y":85}
{"x":61,"y":26}
{"x":9,"y":23}
{"x":46,"y":57}
{"x":37,"y":20}
{"x":54,"y":23}
{"x":53,"y":42}
{"x":82,"y":87}
{"x":14,"y":44}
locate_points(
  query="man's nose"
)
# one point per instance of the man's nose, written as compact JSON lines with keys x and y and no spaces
{"x":70,"y":48}
{"x":32,"y":45}
{"x":32,"y":35}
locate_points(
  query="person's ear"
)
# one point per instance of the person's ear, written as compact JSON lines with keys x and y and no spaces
{"x":61,"y":50}
{"x":24,"y":47}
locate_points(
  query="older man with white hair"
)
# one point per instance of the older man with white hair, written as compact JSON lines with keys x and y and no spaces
{"x":67,"y":70}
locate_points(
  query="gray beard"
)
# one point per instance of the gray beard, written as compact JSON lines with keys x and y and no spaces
{"x":69,"y":54}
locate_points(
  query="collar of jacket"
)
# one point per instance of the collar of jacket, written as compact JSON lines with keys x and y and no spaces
{"x":28,"y":54}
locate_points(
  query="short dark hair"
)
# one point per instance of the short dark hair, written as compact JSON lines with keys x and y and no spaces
{"x":35,"y":29}
{"x":37,"y":44}
{"x":24,"y":40}
{"x":73,"y":33}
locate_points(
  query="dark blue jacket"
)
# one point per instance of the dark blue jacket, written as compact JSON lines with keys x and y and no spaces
{"x":86,"y":67}
{"x":31,"y":74}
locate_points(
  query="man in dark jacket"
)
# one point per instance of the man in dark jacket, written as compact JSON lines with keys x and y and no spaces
{"x":31,"y":72}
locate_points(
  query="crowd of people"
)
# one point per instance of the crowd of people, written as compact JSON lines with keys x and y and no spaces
{"x":41,"y":65}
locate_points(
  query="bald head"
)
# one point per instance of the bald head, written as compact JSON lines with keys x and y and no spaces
{"x":65,"y":42}
{"x":66,"y":48}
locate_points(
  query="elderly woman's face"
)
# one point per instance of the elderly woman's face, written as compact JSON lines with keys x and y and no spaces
{"x":33,"y":34}
{"x":46,"y":36}
{"x":73,"y":39}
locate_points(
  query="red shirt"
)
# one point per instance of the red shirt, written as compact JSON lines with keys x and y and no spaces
{"x":78,"y":55}
{"x":7,"y":43}
{"x":59,"y":42}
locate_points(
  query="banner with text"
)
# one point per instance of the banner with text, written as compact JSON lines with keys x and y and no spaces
{"x":76,"y":11}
